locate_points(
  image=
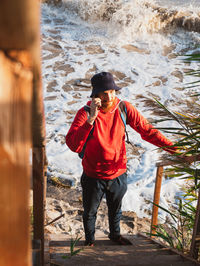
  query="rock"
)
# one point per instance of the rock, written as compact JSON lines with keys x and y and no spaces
{"x":117,"y":74}
{"x":94,"y":49}
{"x":90,"y":72}
{"x":51,"y":56}
{"x":172,"y":55}
{"x":156,"y":83}
{"x":168,"y":49}
{"x":132,"y":48}
{"x":178,"y":74}
{"x":162,"y":79}
{"x":51,"y":86}
{"x":66,"y":87}
{"x":179,"y":88}
{"x":61,"y":180}
{"x":53,"y":2}
{"x":63,"y":67}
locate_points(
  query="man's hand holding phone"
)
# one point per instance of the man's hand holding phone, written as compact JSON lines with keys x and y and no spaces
{"x":94,"y":110}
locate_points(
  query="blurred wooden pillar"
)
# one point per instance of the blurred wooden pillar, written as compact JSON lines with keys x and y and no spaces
{"x":19,"y":59}
{"x":15,"y":144}
{"x":156,"y":200}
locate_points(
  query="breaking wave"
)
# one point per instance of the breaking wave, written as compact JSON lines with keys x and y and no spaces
{"x":137,"y":15}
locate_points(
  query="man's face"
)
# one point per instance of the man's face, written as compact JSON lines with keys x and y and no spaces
{"x":107,"y":98}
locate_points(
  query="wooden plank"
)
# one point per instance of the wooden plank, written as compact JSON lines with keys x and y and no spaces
{"x":19,"y":24}
{"x":143,"y":251}
{"x":173,"y":250}
{"x":15,"y":142}
{"x":194,"y":248}
{"x":39,"y":195}
{"x":156,"y":200}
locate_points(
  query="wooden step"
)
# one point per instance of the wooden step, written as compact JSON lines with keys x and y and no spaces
{"x":142,"y":252}
{"x":119,"y":257}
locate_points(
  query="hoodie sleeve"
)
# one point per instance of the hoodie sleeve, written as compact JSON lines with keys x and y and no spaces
{"x":78,"y":132}
{"x":146,"y":130}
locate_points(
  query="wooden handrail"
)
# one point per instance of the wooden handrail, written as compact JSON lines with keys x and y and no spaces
{"x":156,"y":200}
{"x":157,"y":189}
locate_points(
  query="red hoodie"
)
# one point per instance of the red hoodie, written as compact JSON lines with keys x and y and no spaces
{"x":105,"y":153}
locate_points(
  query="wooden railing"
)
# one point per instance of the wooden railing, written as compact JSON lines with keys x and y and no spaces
{"x":195,"y":243}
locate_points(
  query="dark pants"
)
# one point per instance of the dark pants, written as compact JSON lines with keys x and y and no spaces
{"x":93,"y":191}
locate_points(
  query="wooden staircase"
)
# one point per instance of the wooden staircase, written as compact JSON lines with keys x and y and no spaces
{"x":143,"y":251}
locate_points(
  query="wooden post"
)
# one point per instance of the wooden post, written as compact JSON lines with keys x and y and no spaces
{"x":156,"y":199}
{"x":36,"y":253}
{"x":19,"y":24}
{"x":19,"y":68}
{"x":39,"y":196}
{"x":194,"y":248}
{"x":15,"y":143}
{"x":39,"y":162}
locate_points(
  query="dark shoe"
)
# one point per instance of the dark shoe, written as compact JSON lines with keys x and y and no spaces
{"x":89,"y":243}
{"x":120,"y":240}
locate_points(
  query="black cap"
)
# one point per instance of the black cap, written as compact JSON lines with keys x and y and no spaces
{"x":102,"y":82}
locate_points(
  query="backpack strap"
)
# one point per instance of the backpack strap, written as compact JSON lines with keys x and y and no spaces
{"x":82,"y":152}
{"x":123,"y":114}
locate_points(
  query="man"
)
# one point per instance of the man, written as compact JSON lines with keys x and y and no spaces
{"x":104,"y":160}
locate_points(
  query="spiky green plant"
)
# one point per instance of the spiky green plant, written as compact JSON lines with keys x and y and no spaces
{"x":73,"y":244}
{"x":73,"y":251}
{"x":184,"y":164}
{"x":177,"y":232}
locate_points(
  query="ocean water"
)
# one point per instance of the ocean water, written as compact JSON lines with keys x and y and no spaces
{"x":143,"y":43}
{"x":179,"y":3}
